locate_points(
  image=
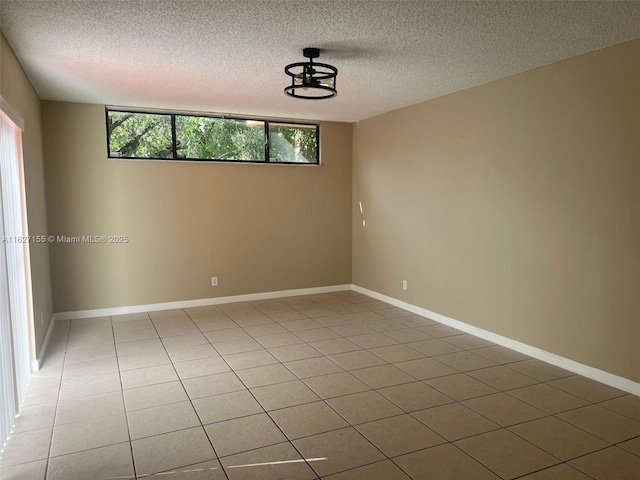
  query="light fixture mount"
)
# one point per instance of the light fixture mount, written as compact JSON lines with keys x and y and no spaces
{"x":311,"y":80}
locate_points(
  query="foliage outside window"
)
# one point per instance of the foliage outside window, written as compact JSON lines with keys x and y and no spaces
{"x":176,"y":136}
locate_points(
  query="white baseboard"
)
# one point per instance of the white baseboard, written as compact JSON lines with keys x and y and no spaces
{"x":37,"y":363}
{"x":601,"y":376}
{"x":102,"y":312}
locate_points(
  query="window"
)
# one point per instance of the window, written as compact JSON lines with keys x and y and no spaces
{"x":293,"y":143}
{"x":178,"y":136}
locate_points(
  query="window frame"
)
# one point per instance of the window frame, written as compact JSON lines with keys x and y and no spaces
{"x":174,"y":148}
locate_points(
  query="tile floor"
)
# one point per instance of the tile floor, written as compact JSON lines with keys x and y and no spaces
{"x":333,"y":386}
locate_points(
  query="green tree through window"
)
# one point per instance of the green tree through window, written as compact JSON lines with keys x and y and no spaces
{"x":170,"y":136}
{"x":219,"y":138}
{"x":293,"y":143}
{"x":139,"y":135}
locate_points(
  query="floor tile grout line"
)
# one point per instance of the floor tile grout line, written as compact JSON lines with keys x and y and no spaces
{"x":508,"y":427}
{"x":354,"y":426}
{"x":510,"y":366}
{"x":535,"y":380}
{"x":617,"y":396}
{"x":386,"y":459}
{"x":499,"y":427}
{"x":404,"y":412}
{"x":476,"y":460}
{"x":584,"y":430}
{"x":302,"y":379}
{"x":538,"y":408}
{"x":124,"y":406}
{"x":609,"y":444}
{"x":554,"y":466}
{"x":90,"y":449}
{"x":283,"y":433}
{"x":349,"y":425}
{"x":191,"y":401}
{"x":498,"y":391}
{"x":617,"y":444}
{"x":600,"y":404}
{"x":55,"y":416}
{"x":265,"y":411}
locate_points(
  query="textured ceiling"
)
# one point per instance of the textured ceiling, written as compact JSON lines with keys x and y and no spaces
{"x":228,"y":56}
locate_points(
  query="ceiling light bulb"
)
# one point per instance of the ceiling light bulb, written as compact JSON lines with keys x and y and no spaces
{"x":327,"y":82}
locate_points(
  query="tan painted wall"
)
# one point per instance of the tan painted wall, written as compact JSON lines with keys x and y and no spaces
{"x":514,"y":207}
{"x":259,"y":228}
{"x":18,"y":92}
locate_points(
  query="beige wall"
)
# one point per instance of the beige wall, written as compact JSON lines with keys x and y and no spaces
{"x":514,"y":207}
{"x":18,"y":92}
{"x":259,"y":228}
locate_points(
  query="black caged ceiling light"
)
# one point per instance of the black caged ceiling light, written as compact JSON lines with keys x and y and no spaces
{"x":310,"y":80}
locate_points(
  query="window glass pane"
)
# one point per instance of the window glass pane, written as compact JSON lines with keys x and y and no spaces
{"x":139,"y":135}
{"x":200,"y":137}
{"x":219,"y":138}
{"x":293,"y":143}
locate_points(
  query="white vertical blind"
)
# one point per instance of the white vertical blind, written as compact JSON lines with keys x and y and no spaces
{"x":15,"y":310}
{"x":7,"y":379}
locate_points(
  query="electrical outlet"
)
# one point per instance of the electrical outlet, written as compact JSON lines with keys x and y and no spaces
{"x":214,"y":281}
{"x":405,"y":285}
